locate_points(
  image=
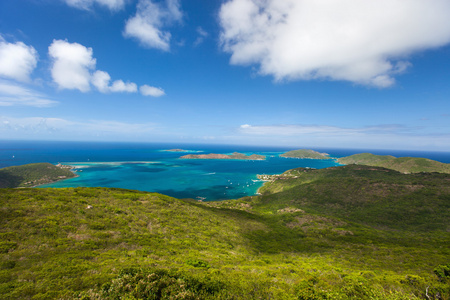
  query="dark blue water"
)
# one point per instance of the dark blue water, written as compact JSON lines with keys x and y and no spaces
{"x":146,"y":167}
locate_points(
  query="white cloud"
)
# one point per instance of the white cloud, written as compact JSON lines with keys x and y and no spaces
{"x":17,"y":60}
{"x":72,"y":63}
{"x":101,"y":80}
{"x":147,"y":90}
{"x":174,"y":12}
{"x":58,"y":128}
{"x":32,"y":125}
{"x":362,"y":41}
{"x":291,"y":130}
{"x":299,"y":130}
{"x":72,"y":67}
{"x":150,"y":19}
{"x":370,"y":137}
{"x":12,"y":94}
{"x":202,"y":35}
{"x":87,"y":4}
{"x":120,"y":86}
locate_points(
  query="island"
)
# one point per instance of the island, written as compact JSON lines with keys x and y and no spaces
{"x":401,"y":164}
{"x":235,"y":155}
{"x":31,"y":175}
{"x":175,"y":150}
{"x":306,"y":153}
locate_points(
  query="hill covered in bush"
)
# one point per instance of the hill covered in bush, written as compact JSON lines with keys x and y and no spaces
{"x":306,"y":153}
{"x":33,"y":174}
{"x":401,"y":164}
{"x":351,"y":232}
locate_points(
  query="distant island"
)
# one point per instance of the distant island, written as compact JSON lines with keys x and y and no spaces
{"x":235,"y":155}
{"x":401,"y":164}
{"x":175,"y":150}
{"x":33,"y":174}
{"x":306,"y":153}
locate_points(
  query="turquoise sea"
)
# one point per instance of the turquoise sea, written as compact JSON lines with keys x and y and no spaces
{"x":147,"y":167}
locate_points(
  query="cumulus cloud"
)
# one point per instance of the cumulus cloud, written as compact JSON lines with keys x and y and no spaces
{"x":87,"y":4}
{"x":101,"y":80}
{"x":74,"y":68}
{"x":17,"y":60}
{"x":364,"y":41}
{"x":120,"y":86}
{"x":150,"y":19}
{"x":12,"y":94}
{"x":72,"y":63}
{"x":147,"y":90}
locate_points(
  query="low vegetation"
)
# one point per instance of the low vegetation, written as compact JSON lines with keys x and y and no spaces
{"x":33,"y":174}
{"x":306,"y":153}
{"x":235,"y":155}
{"x":351,"y":232}
{"x":401,"y":164}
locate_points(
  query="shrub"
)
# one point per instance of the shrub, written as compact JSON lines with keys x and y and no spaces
{"x":442,"y":271}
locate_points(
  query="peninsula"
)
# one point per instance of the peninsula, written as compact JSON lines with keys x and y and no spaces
{"x":33,"y":174}
{"x":306,"y":153}
{"x":235,"y":155}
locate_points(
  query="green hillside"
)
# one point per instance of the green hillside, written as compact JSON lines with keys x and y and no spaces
{"x":401,"y":164}
{"x":351,"y":232}
{"x":306,"y":153}
{"x":33,"y":174}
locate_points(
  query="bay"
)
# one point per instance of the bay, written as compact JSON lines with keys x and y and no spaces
{"x":147,"y":167}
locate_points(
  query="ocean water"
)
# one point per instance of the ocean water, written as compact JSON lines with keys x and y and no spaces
{"x":147,"y":167}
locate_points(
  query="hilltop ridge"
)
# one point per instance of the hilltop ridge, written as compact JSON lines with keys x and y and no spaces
{"x":401,"y":164}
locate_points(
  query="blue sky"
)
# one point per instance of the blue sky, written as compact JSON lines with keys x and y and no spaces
{"x":296,"y":73}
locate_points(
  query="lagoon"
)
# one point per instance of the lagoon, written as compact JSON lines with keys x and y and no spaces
{"x":148,"y":167}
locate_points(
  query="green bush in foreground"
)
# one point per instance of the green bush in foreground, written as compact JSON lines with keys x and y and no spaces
{"x":154,"y":284}
{"x":326,"y":234}
{"x":134,"y":283}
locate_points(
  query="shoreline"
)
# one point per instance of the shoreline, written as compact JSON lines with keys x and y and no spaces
{"x":61,"y":166}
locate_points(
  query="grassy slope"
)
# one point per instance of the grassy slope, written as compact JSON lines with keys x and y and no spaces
{"x":354,"y":232}
{"x":31,"y":175}
{"x":401,"y":164}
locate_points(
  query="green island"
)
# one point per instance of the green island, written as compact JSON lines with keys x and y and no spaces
{"x":306,"y":153}
{"x":401,"y":164}
{"x":33,"y":174}
{"x":348,"y":232}
{"x":235,"y":155}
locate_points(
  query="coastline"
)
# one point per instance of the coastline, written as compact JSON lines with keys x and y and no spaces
{"x":59,"y":165}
